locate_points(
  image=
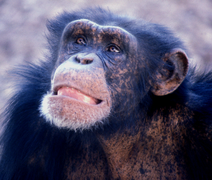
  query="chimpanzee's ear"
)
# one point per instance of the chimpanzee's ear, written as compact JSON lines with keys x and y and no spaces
{"x":172,"y":74}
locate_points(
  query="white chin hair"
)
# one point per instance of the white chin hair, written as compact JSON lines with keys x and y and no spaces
{"x":71,"y":114}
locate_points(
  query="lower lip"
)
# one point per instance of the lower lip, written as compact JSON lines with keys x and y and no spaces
{"x":75,"y":94}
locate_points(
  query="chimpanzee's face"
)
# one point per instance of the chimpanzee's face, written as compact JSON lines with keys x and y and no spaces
{"x":94,"y":71}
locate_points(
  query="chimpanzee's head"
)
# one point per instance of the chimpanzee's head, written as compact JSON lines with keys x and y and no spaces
{"x":105,"y":63}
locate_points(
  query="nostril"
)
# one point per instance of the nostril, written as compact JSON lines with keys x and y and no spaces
{"x":77,"y":59}
{"x":87,"y":61}
{"x":84,"y":59}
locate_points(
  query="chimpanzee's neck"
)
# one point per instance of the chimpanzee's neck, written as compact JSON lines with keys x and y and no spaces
{"x":118,"y":149}
{"x":156,"y":145}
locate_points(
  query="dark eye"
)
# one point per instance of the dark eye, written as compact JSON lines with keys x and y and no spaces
{"x":113,"y":48}
{"x":81,"y":41}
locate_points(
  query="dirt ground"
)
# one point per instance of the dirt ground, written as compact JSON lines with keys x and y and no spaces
{"x":22,"y":27}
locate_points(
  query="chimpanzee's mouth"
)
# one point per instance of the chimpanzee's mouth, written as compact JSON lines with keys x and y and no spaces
{"x":76,"y":94}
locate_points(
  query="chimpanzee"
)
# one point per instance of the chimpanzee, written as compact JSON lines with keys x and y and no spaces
{"x":114,"y":99}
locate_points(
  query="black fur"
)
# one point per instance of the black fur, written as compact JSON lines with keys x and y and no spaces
{"x":28,"y":136}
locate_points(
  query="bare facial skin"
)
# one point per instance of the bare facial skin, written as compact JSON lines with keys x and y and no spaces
{"x":80,"y":98}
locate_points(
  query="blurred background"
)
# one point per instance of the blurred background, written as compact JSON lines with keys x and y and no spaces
{"x":22,"y":27}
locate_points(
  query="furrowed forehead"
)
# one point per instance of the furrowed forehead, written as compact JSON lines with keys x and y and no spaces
{"x":82,"y":26}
